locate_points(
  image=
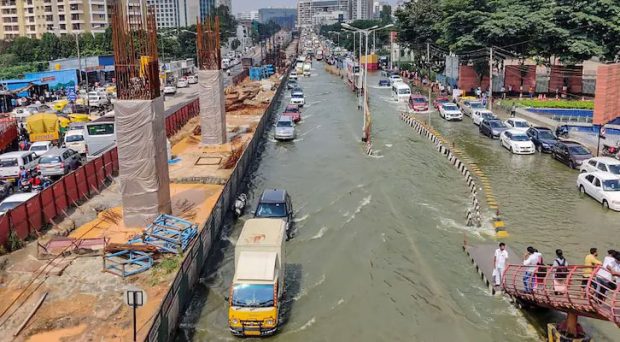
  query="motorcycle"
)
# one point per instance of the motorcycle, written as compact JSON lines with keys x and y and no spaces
{"x":561,"y":131}
{"x":24,"y":185}
{"x":239,"y":205}
{"x":611,"y":151}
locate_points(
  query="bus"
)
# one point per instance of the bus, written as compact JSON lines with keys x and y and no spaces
{"x":400,"y":92}
{"x":99,"y":135}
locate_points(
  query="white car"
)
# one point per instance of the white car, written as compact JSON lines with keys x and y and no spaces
{"x":450,"y":111}
{"x":517,"y":142}
{"x":517,"y":124}
{"x":15,"y":200}
{"x":395,"y":78}
{"x":74,"y":139}
{"x":602,"y":164}
{"x":192,"y":79}
{"x":292,"y":75}
{"x":170,"y":90}
{"x":182,"y":83}
{"x":601,"y":186}
{"x":480,"y":115}
{"x":469,"y":107}
{"x":40,"y":147}
{"x":96,"y":99}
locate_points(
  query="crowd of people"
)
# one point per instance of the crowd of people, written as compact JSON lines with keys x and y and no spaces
{"x":606,"y":278}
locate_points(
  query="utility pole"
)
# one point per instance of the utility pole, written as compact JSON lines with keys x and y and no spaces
{"x":374,"y":41}
{"x":77,"y":44}
{"x":430,"y":88}
{"x":365,"y":96}
{"x":490,"y":78}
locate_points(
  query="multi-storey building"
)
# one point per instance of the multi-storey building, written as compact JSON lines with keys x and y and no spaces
{"x":247,"y":16}
{"x":175,"y":13}
{"x":361,"y":9}
{"x":285,"y":17}
{"x":32,"y":18}
{"x":322,"y":12}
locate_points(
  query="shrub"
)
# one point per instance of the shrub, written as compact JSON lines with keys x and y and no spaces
{"x":558,"y":104}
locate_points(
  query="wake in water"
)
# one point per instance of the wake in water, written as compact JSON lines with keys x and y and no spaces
{"x":320,"y":233}
{"x":365,"y":201}
{"x":304,"y":291}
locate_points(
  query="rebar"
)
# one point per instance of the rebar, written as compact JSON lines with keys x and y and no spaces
{"x":208,"y":44}
{"x":134,"y":38}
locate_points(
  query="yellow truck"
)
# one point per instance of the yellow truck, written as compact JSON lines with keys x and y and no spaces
{"x":258,"y":283}
{"x":43,"y":127}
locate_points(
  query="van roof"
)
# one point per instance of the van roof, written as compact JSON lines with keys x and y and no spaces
{"x":256,"y":266}
{"x":75,"y":132}
{"x":401,"y":85}
{"x":15,"y":154}
{"x":23,"y":197}
{"x":262,"y":232}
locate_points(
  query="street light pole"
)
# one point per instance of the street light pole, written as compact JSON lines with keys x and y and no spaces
{"x":430,"y":88}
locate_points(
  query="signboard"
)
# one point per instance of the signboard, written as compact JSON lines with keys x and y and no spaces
{"x":48,"y":78}
{"x":43,"y":136}
{"x":71,"y":96}
{"x":603,"y":131}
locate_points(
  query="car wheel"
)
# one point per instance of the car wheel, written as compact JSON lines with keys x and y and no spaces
{"x":605,"y":205}
{"x":582,"y":191}
{"x":10,"y":191}
{"x":571,"y":164}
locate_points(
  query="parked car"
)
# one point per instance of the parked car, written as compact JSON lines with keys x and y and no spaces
{"x":297,"y":97}
{"x":39,"y":108}
{"x":384,"y":83}
{"x":169,"y":89}
{"x":182,"y":83}
{"x":97,"y":100}
{"x":602,"y":164}
{"x":285,"y":128}
{"x":450,"y":111}
{"x":469,"y":107}
{"x":542,"y":137}
{"x":11,"y":162}
{"x":483,"y":114}
{"x":74,"y":139}
{"x":292,"y":111}
{"x":516,"y":142}
{"x":602,"y":186}
{"x":570,"y":153}
{"x":291,"y":84}
{"x":395,"y":78}
{"x":15,"y":200}
{"x":440,"y":101}
{"x":518,"y":124}
{"x":492,"y":128}
{"x":192,"y":79}
{"x":418,"y":103}
{"x":59,"y":162}
{"x":275,"y":203}
{"x":40,"y":147}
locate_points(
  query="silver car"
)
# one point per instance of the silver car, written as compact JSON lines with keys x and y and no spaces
{"x":285,"y":128}
{"x":59,"y":162}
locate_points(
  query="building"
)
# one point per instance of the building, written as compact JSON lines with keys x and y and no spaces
{"x":247,"y":16}
{"x":323,"y":12}
{"x":205,"y":8}
{"x":95,"y":68}
{"x":32,"y":18}
{"x":175,"y":13}
{"x":285,"y":17}
{"x":361,"y":9}
{"x":227,"y":3}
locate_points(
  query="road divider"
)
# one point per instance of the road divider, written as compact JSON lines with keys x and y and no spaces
{"x":455,"y":156}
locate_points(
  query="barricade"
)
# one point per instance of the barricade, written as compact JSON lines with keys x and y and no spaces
{"x":28,"y":218}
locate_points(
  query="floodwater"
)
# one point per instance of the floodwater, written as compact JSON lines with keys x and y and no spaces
{"x":377,"y":251}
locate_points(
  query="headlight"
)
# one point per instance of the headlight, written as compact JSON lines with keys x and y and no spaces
{"x":545,"y":145}
{"x":269,"y":322}
{"x":234,"y":321}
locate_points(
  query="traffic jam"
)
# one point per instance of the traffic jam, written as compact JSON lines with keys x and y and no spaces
{"x":599,"y":176}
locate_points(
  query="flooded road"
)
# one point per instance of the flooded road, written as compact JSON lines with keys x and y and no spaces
{"x":377,"y":251}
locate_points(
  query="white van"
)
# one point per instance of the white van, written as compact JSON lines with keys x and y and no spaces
{"x":11,"y":162}
{"x":400,"y":92}
{"x":74,"y":139}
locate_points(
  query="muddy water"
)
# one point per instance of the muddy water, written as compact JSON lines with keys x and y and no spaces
{"x":377,"y":252}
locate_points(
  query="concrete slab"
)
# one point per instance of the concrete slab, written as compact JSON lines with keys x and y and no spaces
{"x":482,"y":257}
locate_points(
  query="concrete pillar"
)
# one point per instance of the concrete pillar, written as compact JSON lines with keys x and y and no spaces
{"x":212,"y":106}
{"x":142,"y":157}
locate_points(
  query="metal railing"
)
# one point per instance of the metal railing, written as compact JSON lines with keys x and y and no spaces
{"x":564,"y":288}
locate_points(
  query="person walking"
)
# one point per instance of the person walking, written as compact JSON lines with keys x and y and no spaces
{"x":561,"y":272}
{"x":605,"y":274}
{"x":499,"y":263}
{"x":530,"y":259}
{"x":590,"y":260}
{"x":513,"y":110}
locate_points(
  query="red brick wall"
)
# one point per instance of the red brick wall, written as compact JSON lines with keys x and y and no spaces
{"x":572,"y":75}
{"x":468,"y":78}
{"x":606,"y":99}
{"x":513,"y":77}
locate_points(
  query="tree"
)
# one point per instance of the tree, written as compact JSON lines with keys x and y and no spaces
{"x":24,"y":49}
{"x":385,"y":15}
{"x":67,"y":46}
{"x":49,"y":47}
{"x":228,"y":24}
{"x":417,"y":23}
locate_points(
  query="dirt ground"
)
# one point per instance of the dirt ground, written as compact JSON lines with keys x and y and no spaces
{"x":84,"y":303}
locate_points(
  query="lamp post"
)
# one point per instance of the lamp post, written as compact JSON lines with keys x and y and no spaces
{"x":366,"y":32}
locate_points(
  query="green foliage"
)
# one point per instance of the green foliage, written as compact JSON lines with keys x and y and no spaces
{"x":166,"y":266}
{"x":228,"y":24}
{"x":346,"y":37}
{"x":560,"y":104}
{"x":573,"y":30}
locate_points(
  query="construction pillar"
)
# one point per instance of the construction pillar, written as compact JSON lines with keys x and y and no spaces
{"x":143,"y":160}
{"x":212,"y":107}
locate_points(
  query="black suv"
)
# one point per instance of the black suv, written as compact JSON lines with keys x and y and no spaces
{"x":276,"y":203}
{"x":570,"y":153}
{"x":543,"y":138}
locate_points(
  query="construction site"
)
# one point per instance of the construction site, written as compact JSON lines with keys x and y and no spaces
{"x":152,"y":223}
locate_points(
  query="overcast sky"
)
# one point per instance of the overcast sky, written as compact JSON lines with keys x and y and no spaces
{"x":252,"y":5}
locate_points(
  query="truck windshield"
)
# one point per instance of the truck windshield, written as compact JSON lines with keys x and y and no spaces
{"x":252,"y":295}
{"x":271,"y":210}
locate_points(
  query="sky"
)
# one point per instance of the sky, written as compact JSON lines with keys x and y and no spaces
{"x":253,"y":5}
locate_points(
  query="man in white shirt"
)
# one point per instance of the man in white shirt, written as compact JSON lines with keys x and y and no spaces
{"x":605,"y":274}
{"x":499,"y":263}
{"x":530,"y":259}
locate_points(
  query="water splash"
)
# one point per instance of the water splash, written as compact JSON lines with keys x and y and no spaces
{"x":319,"y":234}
